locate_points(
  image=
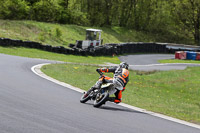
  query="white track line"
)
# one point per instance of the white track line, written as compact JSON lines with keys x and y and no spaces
{"x":37,"y":71}
{"x":165,"y":64}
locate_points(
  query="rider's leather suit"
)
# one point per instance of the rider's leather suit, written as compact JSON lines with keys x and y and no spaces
{"x":120,"y":79}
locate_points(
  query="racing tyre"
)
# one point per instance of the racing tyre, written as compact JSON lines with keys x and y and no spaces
{"x":100,"y":99}
{"x":85,"y":97}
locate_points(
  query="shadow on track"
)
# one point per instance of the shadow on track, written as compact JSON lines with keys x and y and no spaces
{"x":116,"y":108}
{"x":119,"y":109}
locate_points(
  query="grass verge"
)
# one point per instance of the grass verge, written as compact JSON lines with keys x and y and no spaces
{"x":63,"y":35}
{"x":173,"y":93}
{"x":35,"y":53}
{"x":180,"y":61}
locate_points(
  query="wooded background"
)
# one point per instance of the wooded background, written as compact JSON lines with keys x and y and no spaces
{"x":179,"y":18}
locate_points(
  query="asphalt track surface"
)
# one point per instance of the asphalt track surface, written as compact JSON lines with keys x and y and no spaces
{"x":31,"y":104}
{"x":149,"y":62}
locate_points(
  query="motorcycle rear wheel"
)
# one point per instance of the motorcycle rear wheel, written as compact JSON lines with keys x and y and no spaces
{"x":101,"y":99}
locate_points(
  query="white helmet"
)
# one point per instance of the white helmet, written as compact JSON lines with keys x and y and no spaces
{"x":124,"y":65}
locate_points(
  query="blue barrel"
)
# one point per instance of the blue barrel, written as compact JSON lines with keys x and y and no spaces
{"x":191,"y":55}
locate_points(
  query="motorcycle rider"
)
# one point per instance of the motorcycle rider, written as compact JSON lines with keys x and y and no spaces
{"x":120,"y":79}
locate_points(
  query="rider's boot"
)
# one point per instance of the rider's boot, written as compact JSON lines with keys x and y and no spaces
{"x":111,"y":99}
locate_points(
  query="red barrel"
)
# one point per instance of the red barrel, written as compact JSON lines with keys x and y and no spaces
{"x":180,"y":55}
{"x":198,"y":56}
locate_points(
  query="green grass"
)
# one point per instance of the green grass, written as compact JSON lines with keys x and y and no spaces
{"x":180,"y":61}
{"x":41,"y":32}
{"x":47,"y":33}
{"x":174,"y":93}
{"x":34,"y":53}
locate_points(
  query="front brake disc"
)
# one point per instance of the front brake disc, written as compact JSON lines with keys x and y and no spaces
{"x":99,"y":97}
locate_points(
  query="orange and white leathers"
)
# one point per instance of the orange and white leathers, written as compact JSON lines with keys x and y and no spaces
{"x":121,"y":77}
{"x":107,"y":81}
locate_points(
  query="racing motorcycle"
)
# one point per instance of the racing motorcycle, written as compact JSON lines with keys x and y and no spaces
{"x":101,"y":95}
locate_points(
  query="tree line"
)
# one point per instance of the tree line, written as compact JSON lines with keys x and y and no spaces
{"x":154,"y":16}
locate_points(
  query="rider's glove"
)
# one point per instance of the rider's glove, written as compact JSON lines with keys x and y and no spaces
{"x":98,"y":70}
{"x":102,"y":76}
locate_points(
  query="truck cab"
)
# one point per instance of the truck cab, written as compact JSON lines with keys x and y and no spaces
{"x":93,"y":39}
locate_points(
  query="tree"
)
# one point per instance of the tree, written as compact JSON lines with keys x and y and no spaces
{"x":64,"y":4}
{"x":46,"y":10}
{"x":127,"y":8}
{"x":108,"y":7}
{"x":65,"y":15}
{"x":14,"y":9}
{"x":32,"y":1}
{"x":187,"y":13}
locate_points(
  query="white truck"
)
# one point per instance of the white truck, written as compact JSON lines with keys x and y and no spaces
{"x":93,"y":39}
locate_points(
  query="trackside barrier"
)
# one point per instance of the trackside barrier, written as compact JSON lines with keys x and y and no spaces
{"x":198,"y":56}
{"x":189,"y":55}
{"x":106,"y":49}
{"x":180,"y":55}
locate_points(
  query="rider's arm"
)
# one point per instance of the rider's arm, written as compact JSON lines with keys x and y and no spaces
{"x":127,"y":79}
{"x":105,"y":70}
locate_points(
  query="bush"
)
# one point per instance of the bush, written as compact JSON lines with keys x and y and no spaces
{"x":46,"y":11}
{"x":14,"y":9}
{"x":79,"y":18}
{"x":65,"y":17}
{"x":42,"y":36}
{"x":58,"y":33}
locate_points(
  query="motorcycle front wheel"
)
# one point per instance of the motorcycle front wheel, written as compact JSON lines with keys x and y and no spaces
{"x":85,"y":97}
{"x":100,"y":99}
